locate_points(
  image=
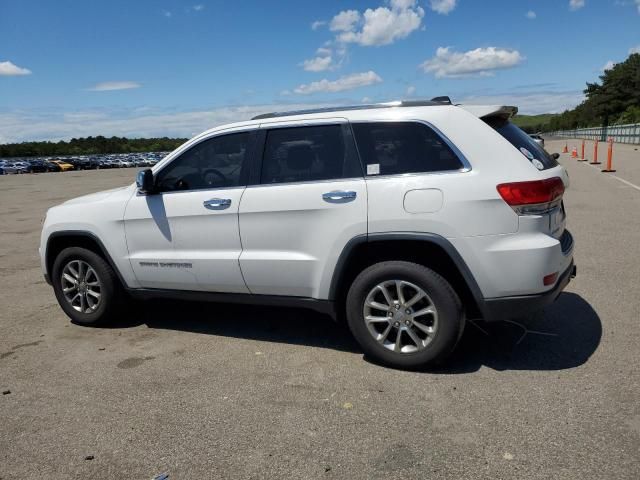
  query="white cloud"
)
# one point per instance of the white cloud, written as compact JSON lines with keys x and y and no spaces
{"x":442,"y":7}
{"x":8,"y":69}
{"x":481,"y":61}
{"x":167,"y":13}
{"x":635,"y":49}
{"x":638,"y":5}
{"x":531,"y":15}
{"x":380,"y":26}
{"x":608,"y":66}
{"x":323,"y":60}
{"x":344,"y":21}
{"x":317,"y":64}
{"x":317,"y":24}
{"x":576,"y":4}
{"x":198,"y":7}
{"x":530,"y":103}
{"x":57,"y":124}
{"x":349,"y":82}
{"x":108,"y":86}
{"x":410,"y":90}
{"x":373,"y":27}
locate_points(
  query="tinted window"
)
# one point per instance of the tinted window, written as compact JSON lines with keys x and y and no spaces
{"x":303,"y":154}
{"x":519,"y":139}
{"x":213,"y":163}
{"x":403,"y":147}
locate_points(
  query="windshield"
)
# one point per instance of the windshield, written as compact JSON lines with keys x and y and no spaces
{"x":523,"y":142}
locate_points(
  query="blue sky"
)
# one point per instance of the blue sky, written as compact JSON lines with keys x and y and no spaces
{"x":167,"y":67}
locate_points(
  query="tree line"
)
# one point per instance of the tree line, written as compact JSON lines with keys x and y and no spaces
{"x":614,"y":100}
{"x":90,"y":146}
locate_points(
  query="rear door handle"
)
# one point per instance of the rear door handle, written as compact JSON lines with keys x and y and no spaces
{"x":217,"y":203}
{"x":339,"y":196}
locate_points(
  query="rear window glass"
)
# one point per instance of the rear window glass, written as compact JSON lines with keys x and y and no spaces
{"x":523,"y":142}
{"x":389,"y":148}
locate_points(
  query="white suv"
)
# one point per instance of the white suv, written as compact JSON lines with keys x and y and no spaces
{"x":404,"y":218}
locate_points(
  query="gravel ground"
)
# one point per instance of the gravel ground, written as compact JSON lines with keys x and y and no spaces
{"x":223,"y":391}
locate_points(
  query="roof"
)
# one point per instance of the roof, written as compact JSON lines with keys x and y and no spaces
{"x":376,"y":111}
{"x":400,"y":103}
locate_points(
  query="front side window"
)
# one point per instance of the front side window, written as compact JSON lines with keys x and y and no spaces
{"x":213,"y":163}
{"x":302,"y":154}
{"x":389,"y":148}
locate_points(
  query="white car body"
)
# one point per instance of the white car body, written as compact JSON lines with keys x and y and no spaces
{"x":286,"y":240}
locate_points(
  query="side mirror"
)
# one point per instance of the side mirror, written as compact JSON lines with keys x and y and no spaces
{"x":555,"y":156}
{"x":144,"y":181}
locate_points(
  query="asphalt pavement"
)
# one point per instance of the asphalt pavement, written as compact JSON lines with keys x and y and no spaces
{"x":205,"y":391}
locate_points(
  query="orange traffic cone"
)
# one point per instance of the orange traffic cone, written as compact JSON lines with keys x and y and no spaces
{"x":574,"y":152}
{"x":565,"y":149}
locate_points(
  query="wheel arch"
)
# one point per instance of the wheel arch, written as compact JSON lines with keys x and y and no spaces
{"x":60,"y":240}
{"x":428,"y":249}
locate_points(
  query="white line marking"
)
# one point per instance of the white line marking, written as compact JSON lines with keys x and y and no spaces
{"x":626,"y":182}
{"x":632,"y":185}
{"x":618,"y":178}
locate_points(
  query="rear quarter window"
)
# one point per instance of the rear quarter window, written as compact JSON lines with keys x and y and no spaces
{"x":519,"y":139}
{"x":389,"y":148}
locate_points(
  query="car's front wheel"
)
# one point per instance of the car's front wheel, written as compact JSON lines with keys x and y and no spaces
{"x":404,"y":314}
{"x":86,"y":286}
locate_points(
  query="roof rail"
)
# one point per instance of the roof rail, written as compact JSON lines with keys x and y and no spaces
{"x":399,"y":103}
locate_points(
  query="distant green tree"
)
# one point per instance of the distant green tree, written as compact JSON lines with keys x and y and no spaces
{"x":90,"y":146}
{"x":615,"y":99}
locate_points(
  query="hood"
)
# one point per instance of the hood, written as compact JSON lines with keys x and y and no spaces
{"x":95,"y":197}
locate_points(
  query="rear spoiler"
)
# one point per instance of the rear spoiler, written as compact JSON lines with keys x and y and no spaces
{"x":485,"y":111}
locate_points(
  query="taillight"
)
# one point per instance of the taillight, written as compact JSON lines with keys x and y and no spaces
{"x":533,"y":198}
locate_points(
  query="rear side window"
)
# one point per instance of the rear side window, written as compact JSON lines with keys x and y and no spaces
{"x":303,"y":154}
{"x":389,"y":148}
{"x":523,"y":142}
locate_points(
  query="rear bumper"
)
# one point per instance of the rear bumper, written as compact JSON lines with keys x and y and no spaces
{"x":508,"y":307}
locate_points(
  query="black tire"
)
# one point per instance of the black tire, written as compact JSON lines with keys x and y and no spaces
{"x":451,"y":319}
{"x":111,"y":293}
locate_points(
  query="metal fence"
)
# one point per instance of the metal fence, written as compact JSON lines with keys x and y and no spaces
{"x":629,"y":133}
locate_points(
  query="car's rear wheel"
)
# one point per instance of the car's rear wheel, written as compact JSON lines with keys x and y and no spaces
{"x":404,"y":314}
{"x":86,"y":286}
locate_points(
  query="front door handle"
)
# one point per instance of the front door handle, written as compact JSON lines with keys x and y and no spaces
{"x":339,"y":196}
{"x":217,"y":203}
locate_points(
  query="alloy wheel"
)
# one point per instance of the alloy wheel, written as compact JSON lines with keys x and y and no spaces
{"x":400,"y":316}
{"x":81,"y":286}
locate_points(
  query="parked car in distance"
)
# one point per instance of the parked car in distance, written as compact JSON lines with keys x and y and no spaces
{"x":39,"y":166}
{"x":102,"y":163}
{"x":538,"y":139}
{"x":53,"y":167}
{"x":88,"y":163}
{"x":16,"y":167}
{"x":64,"y":166}
{"x":142,"y":162}
{"x":76,"y":162}
{"x":403,"y":219}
